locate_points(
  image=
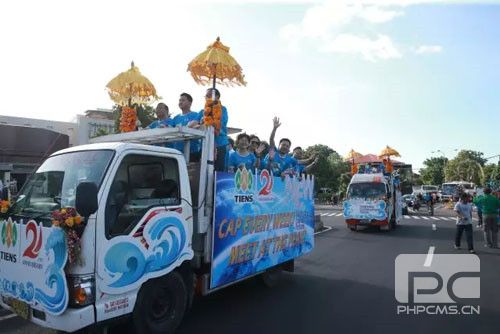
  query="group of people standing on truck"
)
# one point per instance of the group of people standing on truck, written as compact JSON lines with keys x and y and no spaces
{"x":246,"y":151}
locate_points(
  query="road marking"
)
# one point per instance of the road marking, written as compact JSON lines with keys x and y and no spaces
{"x":426,"y":218}
{"x":407,"y":217}
{"x":430,"y":254}
{"x":324,"y":214}
{"x":339,"y":214}
{"x":327,"y":228}
{"x":5,"y":317}
{"x":434,"y":227}
{"x":450,"y":218}
{"x":331,"y":214}
{"x":435,"y":218}
{"x":443,"y":218}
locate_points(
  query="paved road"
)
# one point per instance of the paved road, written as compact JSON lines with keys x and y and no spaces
{"x":345,"y":285}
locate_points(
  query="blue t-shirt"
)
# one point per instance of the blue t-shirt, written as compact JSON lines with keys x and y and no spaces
{"x":236,"y":160}
{"x":280,"y":163}
{"x":299,"y":168}
{"x":221,"y":138}
{"x":157,"y":123}
{"x":183,"y":120}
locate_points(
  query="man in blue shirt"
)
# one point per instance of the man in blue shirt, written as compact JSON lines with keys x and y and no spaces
{"x":221,"y":139}
{"x":163,"y":116}
{"x":279,"y":161}
{"x":303,"y":165}
{"x":187,"y":118}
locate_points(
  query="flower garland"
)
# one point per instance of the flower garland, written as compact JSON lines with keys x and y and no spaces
{"x":212,"y":114}
{"x":4,"y":206}
{"x":128,"y":119}
{"x":72,"y":224}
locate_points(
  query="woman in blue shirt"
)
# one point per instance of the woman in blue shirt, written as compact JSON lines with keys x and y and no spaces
{"x":242,"y":157}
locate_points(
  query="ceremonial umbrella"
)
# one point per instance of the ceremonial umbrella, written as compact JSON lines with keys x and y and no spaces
{"x":215,"y":64}
{"x":388,"y":151}
{"x":129,"y":88}
{"x":352,"y":155}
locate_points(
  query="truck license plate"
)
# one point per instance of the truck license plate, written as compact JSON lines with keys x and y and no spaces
{"x":20,"y":308}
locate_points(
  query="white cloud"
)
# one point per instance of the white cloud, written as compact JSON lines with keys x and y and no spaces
{"x":323,"y":24}
{"x":429,"y":49}
{"x":378,"y":15}
{"x":370,"y":49}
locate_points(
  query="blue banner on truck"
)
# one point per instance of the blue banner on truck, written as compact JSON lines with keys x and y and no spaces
{"x":260,"y":221}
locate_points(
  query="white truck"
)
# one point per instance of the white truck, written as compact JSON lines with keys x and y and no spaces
{"x":373,"y":200}
{"x":154,"y":230}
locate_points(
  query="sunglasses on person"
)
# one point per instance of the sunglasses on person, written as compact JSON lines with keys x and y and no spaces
{"x":254,"y":142}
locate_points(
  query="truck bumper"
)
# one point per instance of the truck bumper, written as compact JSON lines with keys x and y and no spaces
{"x":71,"y":320}
{"x":366,"y":222}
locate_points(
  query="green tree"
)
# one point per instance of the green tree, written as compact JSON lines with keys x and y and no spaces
{"x":433,"y":172}
{"x":417,"y":180}
{"x":466,"y":166}
{"x":329,"y":168}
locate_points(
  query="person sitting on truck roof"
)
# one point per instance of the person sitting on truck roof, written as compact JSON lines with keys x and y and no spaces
{"x":241,"y":157}
{"x":220,"y":139}
{"x":191,"y":119}
{"x":279,"y":161}
{"x":163,"y":115}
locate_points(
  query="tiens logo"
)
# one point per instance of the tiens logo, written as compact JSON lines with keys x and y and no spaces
{"x":9,"y":233}
{"x":243,"y":180}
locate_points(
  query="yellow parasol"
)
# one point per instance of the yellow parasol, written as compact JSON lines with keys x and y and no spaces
{"x":352,"y":155}
{"x":388,"y":151}
{"x":216,"y":64}
{"x":131,"y":87}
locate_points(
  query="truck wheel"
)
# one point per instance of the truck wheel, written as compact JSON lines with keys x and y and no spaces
{"x":161,"y":304}
{"x":353,"y":228}
{"x":385,"y":227}
{"x":271,"y":276}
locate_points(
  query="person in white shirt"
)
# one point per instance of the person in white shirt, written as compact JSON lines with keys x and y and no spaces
{"x":463,"y":209}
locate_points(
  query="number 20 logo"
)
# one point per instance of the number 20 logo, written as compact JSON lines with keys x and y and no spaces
{"x":36,"y":240}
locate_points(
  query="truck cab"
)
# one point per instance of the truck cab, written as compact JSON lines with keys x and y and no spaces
{"x":127,"y":227}
{"x":372,"y":200}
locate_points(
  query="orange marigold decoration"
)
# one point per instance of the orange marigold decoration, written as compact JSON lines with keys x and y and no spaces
{"x":73,"y":226}
{"x":212,"y":115}
{"x":4,"y":206}
{"x":128,"y":119}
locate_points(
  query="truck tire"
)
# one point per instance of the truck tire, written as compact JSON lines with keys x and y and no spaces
{"x":271,"y":277}
{"x":161,"y":304}
{"x":353,"y":228}
{"x":385,"y":228}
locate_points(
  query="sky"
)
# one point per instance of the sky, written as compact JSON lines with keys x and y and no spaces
{"x":419,"y":75}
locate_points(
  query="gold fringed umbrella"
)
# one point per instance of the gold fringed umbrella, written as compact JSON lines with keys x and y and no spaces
{"x":388,"y":151}
{"x":352,"y":155}
{"x":131,"y":87}
{"x":215,"y":64}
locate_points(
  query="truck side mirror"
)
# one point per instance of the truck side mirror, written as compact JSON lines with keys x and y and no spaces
{"x":86,"y":199}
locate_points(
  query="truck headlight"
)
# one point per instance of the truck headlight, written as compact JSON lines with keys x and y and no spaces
{"x":81,"y":290}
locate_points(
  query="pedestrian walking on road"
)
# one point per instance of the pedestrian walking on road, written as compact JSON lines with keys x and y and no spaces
{"x":463,"y":209}
{"x":490,"y":206}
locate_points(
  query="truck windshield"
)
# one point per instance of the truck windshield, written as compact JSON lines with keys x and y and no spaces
{"x":367,"y":190}
{"x":53,"y":186}
{"x":430,"y":188}
{"x":449,"y":189}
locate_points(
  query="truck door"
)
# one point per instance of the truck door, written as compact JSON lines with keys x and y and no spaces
{"x":143,"y":190}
